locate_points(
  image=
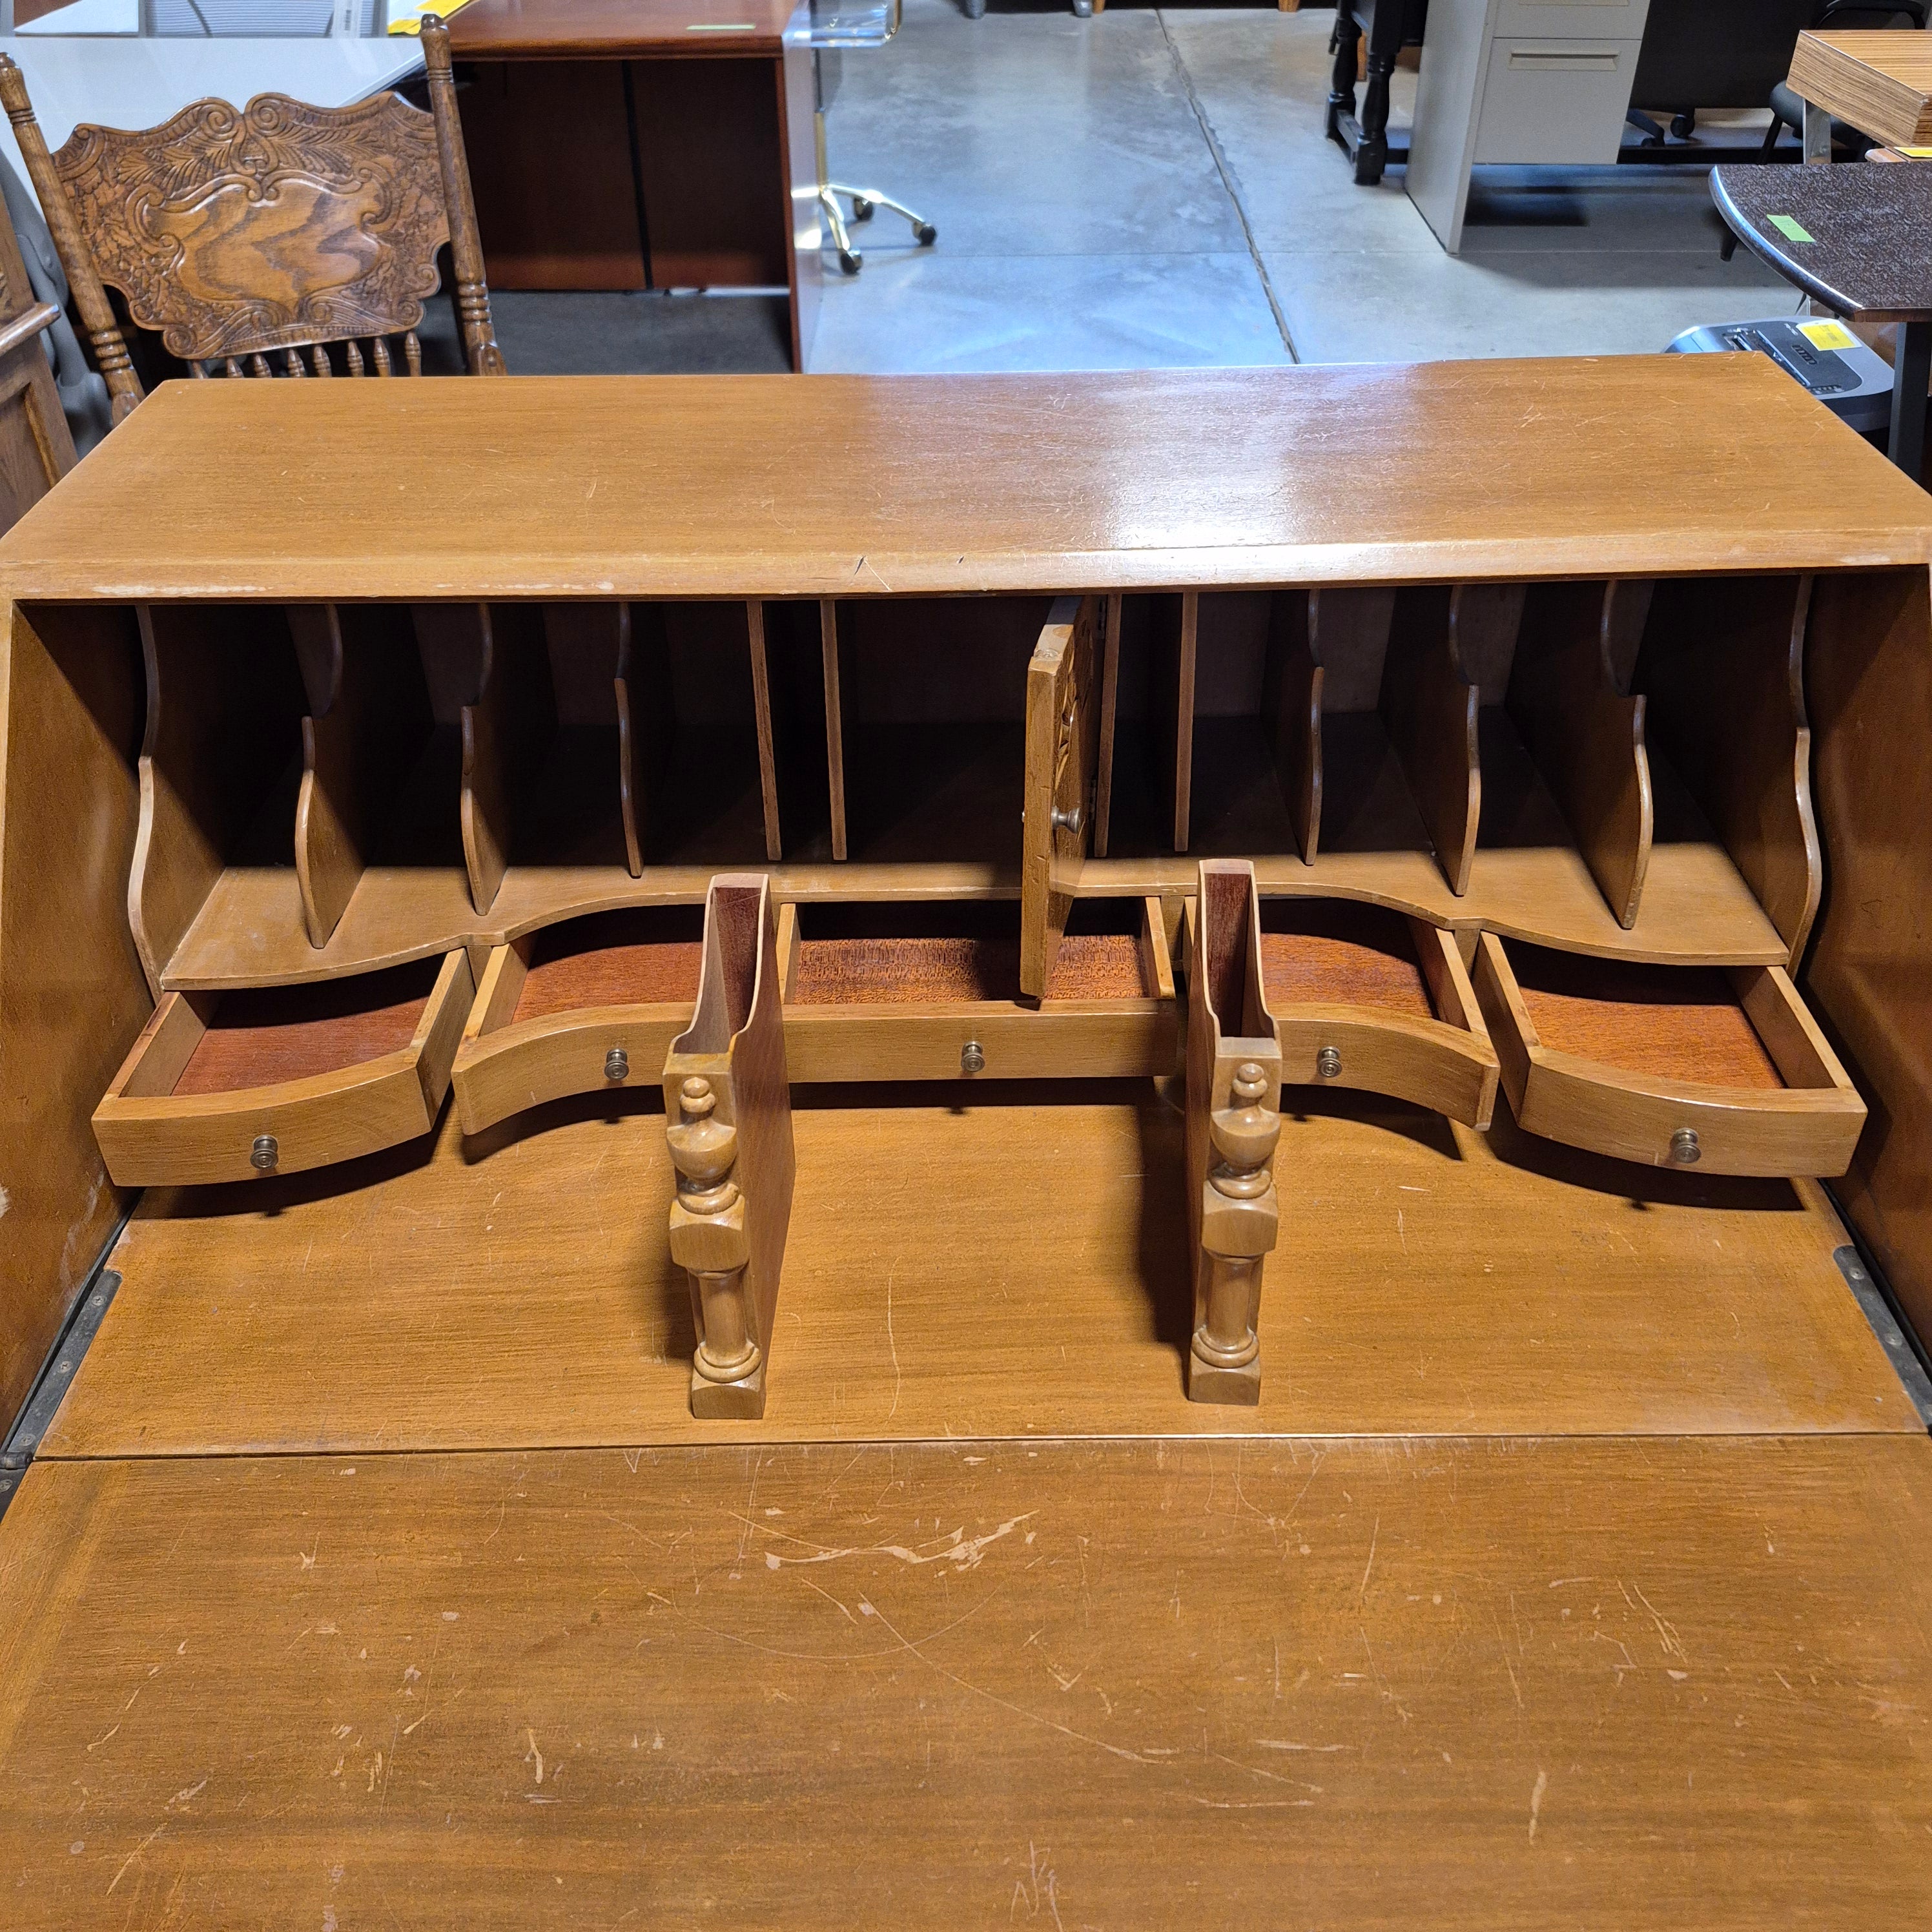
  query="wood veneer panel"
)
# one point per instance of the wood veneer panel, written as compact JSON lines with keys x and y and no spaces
{"x":1565,"y":1292}
{"x":1676,"y":1022}
{"x":1326,"y":953}
{"x":257,"y":1038}
{"x":644,"y":957}
{"x":853,"y":486}
{"x":1605,"y":1684}
{"x":842,"y":972}
{"x":73,"y":995}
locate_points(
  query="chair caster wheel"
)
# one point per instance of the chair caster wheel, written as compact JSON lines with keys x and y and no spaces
{"x":926,"y":234}
{"x":973,"y":10}
{"x":851,"y":263}
{"x":862,"y":208}
{"x":1083,"y":10}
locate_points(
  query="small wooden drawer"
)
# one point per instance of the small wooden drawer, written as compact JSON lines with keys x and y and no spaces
{"x":1723,"y":1069}
{"x":586,"y":1006}
{"x":913,"y":990}
{"x":1365,"y":997}
{"x":237,"y":1085}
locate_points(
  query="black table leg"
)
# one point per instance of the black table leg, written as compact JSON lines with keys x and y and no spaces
{"x":1342,"y":44}
{"x":1911,"y":376}
{"x":1371,"y":157}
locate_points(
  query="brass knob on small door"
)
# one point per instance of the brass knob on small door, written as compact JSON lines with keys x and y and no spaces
{"x":1072,"y":823}
{"x":1328,"y":1062}
{"x":972,"y":1057}
{"x":265,"y":1154}
{"x":616,"y":1064}
{"x":1684,"y":1147}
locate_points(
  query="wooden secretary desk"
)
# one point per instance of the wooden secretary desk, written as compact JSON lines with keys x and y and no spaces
{"x":660,"y":949}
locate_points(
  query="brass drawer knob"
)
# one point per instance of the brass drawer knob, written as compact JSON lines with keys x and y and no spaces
{"x":616,"y":1064}
{"x":265,"y":1154}
{"x":1684,"y":1147}
{"x":972,"y":1057}
{"x":1328,"y":1062}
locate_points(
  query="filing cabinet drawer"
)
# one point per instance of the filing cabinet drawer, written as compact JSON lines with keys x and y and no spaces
{"x":1549,"y":99}
{"x":1532,"y":20}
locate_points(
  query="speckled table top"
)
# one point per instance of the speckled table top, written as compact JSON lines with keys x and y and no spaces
{"x":1857,"y":237}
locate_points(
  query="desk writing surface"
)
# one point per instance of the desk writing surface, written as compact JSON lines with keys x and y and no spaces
{"x":809,"y":486}
{"x":578,"y":29}
{"x":1880,"y":82}
{"x":1859,"y":239}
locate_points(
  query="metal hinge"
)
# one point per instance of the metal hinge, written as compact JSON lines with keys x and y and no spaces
{"x":1888,"y":1328}
{"x":30,"y":1429}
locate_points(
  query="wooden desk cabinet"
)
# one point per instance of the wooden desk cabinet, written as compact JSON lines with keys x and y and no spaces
{"x":961,"y":914}
{"x":1526,"y":780}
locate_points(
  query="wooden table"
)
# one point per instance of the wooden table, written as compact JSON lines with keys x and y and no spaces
{"x":1856,"y":239}
{"x":1570,"y":1569}
{"x":1879,"y":83}
{"x":637,"y":144}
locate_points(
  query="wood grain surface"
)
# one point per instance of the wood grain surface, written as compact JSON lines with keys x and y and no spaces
{"x":1879,"y":82}
{"x":1565,"y":1293}
{"x":564,"y":29}
{"x":858,"y":486}
{"x":1623,"y":1685}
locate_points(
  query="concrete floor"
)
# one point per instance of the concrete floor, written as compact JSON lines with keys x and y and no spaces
{"x":1151,"y":188}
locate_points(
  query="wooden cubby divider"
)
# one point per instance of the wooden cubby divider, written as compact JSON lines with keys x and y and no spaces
{"x":1585,"y":732}
{"x":1429,"y":705}
{"x":1722,"y":667}
{"x":368,"y":721}
{"x":224,"y":702}
{"x":835,"y":727}
{"x":507,"y":726}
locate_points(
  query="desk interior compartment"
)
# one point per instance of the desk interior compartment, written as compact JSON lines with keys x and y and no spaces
{"x":910,"y":989}
{"x":232,"y":1085}
{"x":925,"y":702}
{"x":589,"y":1005}
{"x":1720,"y":1068}
{"x":1369,"y":998}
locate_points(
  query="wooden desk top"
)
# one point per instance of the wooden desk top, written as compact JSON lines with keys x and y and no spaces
{"x":791,"y":486}
{"x":1859,"y":239}
{"x":1880,"y":82}
{"x":607,"y":29}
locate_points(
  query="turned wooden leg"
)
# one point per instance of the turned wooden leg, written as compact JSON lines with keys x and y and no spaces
{"x":1345,"y":43}
{"x":727,"y":1121}
{"x":1234,"y":1122}
{"x":1372,"y":155}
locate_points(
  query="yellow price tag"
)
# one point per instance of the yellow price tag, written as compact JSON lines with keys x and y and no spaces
{"x":407,"y":15}
{"x":1828,"y":335}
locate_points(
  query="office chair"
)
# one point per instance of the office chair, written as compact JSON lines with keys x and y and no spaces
{"x":835,"y":26}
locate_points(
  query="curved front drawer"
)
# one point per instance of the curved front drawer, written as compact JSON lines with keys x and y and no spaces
{"x":1720,"y":1071}
{"x":358,"y":1065}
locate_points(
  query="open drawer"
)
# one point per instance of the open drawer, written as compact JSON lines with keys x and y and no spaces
{"x":1365,"y":997}
{"x":231,"y":1086}
{"x":1676,"y":1066}
{"x":930,"y":990}
{"x":587,"y":1005}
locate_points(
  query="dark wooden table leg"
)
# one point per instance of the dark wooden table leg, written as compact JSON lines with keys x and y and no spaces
{"x":1343,"y":42}
{"x":1372,"y":156}
{"x":1911,"y":375}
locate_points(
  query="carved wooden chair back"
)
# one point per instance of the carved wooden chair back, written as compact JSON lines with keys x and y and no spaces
{"x":251,"y":237}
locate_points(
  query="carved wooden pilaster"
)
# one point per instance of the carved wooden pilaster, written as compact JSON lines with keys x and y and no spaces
{"x":727,"y":1122}
{"x":1233,"y":1123}
{"x":466,"y":246}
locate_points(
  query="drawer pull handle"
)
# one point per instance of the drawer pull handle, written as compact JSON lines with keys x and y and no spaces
{"x":972,"y":1057}
{"x":616,"y":1064}
{"x":265,"y":1154}
{"x":1684,"y":1147}
{"x":1328,"y":1062}
{"x":1070,"y":822}
{"x":1527,"y":61}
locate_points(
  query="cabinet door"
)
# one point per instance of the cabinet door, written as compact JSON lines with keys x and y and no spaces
{"x":1063,"y":730}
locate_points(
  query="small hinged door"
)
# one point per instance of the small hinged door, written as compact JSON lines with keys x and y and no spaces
{"x":1063,"y":730}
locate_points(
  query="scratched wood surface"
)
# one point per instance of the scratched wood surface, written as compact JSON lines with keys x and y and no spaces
{"x":1598,"y":1684}
{"x":862,"y":487}
{"x":1428,"y":1279}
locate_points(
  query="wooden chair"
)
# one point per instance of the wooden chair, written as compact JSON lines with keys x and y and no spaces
{"x":276,"y":229}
